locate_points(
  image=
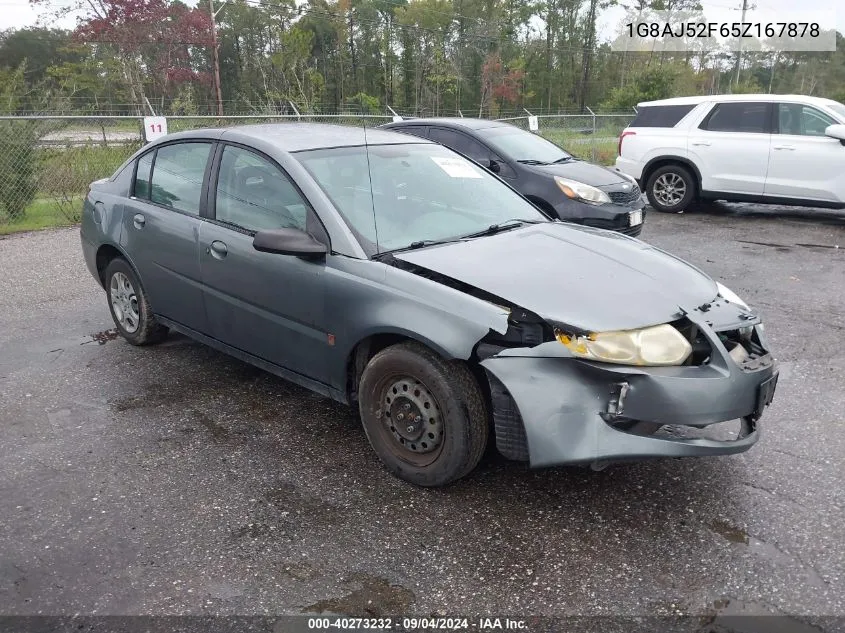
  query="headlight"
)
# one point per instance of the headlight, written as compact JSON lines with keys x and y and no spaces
{"x":730,"y":295}
{"x":658,"y":345}
{"x":579,"y":191}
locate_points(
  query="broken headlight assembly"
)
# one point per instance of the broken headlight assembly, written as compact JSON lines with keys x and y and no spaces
{"x":659,"y":345}
{"x":730,"y":296}
{"x":579,"y":191}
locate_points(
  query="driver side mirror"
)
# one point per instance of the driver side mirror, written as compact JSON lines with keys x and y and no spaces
{"x":836,"y":131}
{"x":494,"y":166}
{"x":289,"y":242}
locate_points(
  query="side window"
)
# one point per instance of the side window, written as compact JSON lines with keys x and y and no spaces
{"x":253,"y":194}
{"x":461,"y":143}
{"x":142,"y":176}
{"x":797,"y":119}
{"x":177,"y":176}
{"x":661,"y":116}
{"x":444,"y":137}
{"x":737,"y":117}
{"x":415,"y":130}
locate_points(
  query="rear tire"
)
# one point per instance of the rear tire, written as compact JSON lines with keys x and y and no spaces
{"x":670,"y":189}
{"x":128,"y":305}
{"x":425,"y":417}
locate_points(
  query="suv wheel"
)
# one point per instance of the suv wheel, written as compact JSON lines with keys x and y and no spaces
{"x":670,"y":188}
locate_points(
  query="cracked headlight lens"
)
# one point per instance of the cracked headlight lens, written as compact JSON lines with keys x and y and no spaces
{"x":659,"y":345}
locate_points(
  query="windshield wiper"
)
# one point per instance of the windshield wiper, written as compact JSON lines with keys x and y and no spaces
{"x":531,"y":161}
{"x":562,"y":159}
{"x":502,"y":226}
{"x":419,"y":244}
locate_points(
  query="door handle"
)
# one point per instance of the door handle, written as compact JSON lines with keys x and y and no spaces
{"x":139,"y":221}
{"x":217,"y":249}
{"x":791,"y":148}
{"x":704,"y":143}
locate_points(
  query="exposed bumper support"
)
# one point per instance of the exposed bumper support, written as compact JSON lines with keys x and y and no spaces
{"x":568,"y":406}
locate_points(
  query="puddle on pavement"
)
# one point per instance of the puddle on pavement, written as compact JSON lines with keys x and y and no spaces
{"x":732,"y":615}
{"x":376,"y":598}
{"x":729,"y":532}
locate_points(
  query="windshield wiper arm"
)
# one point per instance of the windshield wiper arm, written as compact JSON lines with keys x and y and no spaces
{"x":531,"y":161}
{"x":419,"y":244}
{"x":562,"y":159}
{"x":502,"y":226}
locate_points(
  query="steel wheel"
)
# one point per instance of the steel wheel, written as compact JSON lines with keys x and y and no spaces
{"x":669,"y":189}
{"x":412,"y":419}
{"x":124,"y":302}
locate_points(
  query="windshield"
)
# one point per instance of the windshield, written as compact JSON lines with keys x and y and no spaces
{"x":419,"y":193}
{"x":838,"y":108}
{"x":520,"y":145}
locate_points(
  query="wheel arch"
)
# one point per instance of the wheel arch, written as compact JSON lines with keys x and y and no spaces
{"x":106,"y":253}
{"x":661,"y":161}
{"x":368,"y":346}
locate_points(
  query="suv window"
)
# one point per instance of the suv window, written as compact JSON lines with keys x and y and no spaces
{"x":798,"y":119}
{"x":738,"y":117}
{"x":254,"y":194}
{"x":462,"y":143}
{"x":661,"y":116}
{"x":178,"y":172}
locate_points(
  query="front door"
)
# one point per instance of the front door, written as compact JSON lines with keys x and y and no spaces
{"x":161,"y":224}
{"x":265,"y":304}
{"x":804,"y":163}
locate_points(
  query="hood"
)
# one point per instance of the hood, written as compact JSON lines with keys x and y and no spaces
{"x":589,"y":279}
{"x":587,"y":173}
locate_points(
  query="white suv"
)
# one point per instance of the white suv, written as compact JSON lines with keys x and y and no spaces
{"x":774,"y":149}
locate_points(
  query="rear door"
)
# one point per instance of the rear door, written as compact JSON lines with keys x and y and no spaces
{"x":161,"y":223}
{"x":804,"y":163}
{"x":265,"y":304}
{"x":731,"y":147}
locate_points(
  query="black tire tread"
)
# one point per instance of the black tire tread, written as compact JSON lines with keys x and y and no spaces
{"x":149,"y":330}
{"x":470,"y":399}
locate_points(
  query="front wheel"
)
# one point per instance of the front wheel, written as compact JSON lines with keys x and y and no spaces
{"x":670,"y":189}
{"x":129,"y":307}
{"x":425,"y":417}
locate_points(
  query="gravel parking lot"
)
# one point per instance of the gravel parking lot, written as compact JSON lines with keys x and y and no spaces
{"x":174,"y":479}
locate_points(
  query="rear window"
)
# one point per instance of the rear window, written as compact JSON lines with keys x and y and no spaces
{"x":738,"y":117}
{"x":661,"y":116}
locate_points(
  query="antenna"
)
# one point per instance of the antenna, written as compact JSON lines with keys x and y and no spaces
{"x":369,"y":173}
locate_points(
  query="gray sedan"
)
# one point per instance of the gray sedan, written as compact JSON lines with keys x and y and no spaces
{"x":392,"y":274}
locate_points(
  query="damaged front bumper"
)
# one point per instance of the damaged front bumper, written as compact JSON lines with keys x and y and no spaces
{"x":551,"y":408}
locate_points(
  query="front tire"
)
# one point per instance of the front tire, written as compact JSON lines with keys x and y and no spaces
{"x":670,"y":189}
{"x":425,"y":417}
{"x":129,"y":307}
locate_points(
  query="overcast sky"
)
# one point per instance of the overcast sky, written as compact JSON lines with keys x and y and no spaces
{"x":19,"y":13}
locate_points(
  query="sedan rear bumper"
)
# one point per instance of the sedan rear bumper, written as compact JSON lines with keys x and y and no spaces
{"x":574,"y":411}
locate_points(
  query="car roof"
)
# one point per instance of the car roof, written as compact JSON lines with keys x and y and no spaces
{"x":295,"y":137}
{"x":453,"y":122}
{"x":741,"y":97}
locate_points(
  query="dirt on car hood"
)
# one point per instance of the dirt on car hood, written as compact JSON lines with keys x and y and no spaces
{"x":589,"y":279}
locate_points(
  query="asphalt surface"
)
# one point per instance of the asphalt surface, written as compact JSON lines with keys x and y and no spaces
{"x":176,"y":480}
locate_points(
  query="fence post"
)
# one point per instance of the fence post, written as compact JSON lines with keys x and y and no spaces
{"x":393,"y":112}
{"x":298,"y":116}
{"x":593,"y":136}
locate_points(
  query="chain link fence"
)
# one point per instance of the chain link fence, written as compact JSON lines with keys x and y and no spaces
{"x":47,"y":162}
